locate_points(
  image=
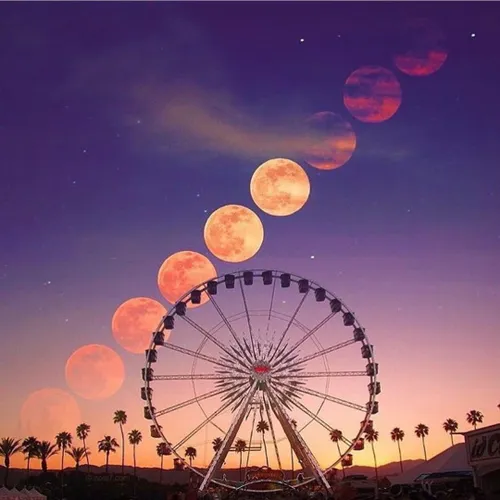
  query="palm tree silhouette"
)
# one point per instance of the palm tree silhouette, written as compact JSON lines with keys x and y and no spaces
{"x":451,"y":426}
{"x":216,"y":444}
{"x":294,"y":425}
{"x":421,"y":431}
{"x":120,"y":418}
{"x":30,"y":449}
{"x":371,"y":435}
{"x":240,"y":447}
{"x":77,"y":454}
{"x":191,"y":454}
{"x":107,"y":445}
{"x":263,"y":427}
{"x":162,"y":450}
{"x":8,"y":447}
{"x":398,"y":435}
{"x":82,"y":433}
{"x":63,"y":441}
{"x":474,"y":417}
{"x":134,"y":438}
{"x":45,"y":451}
{"x":336,"y":437}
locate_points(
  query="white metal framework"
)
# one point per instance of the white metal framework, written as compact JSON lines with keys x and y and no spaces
{"x":260,"y":365}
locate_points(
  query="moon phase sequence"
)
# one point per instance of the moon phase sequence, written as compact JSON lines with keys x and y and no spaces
{"x":134,"y":321}
{"x":95,"y":372}
{"x":372,"y":94}
{"x":331,"y":141}
{"x":423,"y":48}
{"x":181,"y":272}
{"x":46,"y":411}
{"x":233,"y":233}
{"x":280,"y":187}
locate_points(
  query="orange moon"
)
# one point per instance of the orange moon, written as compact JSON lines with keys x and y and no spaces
{"x":234,"y":233}
{"x":47,"y":412}
{"x":372,"y":94}
{"x":95,"y":372}
{"x":181,"y":272}
{"x":331,"y":141}
{"x":280,"y":187}
{"x":134,"y":321}
{"x":424,"y":50}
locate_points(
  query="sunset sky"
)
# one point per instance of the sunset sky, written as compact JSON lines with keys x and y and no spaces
{"x":123,"y":126}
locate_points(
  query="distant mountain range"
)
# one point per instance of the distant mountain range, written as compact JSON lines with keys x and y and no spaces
{"x":171,"y":476}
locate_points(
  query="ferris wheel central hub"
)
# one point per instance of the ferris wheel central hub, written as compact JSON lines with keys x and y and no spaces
{"x":261,"y":370}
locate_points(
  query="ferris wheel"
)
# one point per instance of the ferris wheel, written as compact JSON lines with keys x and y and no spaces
{"x":248,"y":359}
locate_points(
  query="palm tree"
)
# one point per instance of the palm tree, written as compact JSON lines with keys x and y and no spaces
{"x":45,"y":451}
{"x":120,"y":417}
{"x":451,"y":426}
{"x":421,"y":431}
{"x":398,"y":435}
{"x":107,"y":445}
{"x":30,"y":449}
{"x":82,"y":433}
{"x":240,"y":447}
{"x":77,"y":454}
{"x":63,"y":441}
{"x":162,"y":450}
{"x":336,"y":437}
{"x":8,"y":447}
{"x":134,"y":438}
{"x":294,"y":425}
{"x":371,"y":435}
{"x":474,"y":417}
{"x":191,"y":454}
{"x":263,"y":427}
{"x":216,"y":444}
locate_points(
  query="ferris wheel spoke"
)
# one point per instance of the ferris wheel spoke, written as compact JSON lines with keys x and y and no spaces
{"x":250,"y":331}
{"x":210,"y":337}
{"x":311,"y":332}
{"x":198,"y":376}
{"x":359,"y":373}
{"x":273,"y":434}
{"x":270,"y":307}
{"x":254,"y":417}
{"x":228,"y":440}
{"x":322,"y":395}
{"x":289,"y":324}
{"x":231,"y":330}
{"x":189,"y":402}
{"x":315,"y":355}
{"x":195,"y":354}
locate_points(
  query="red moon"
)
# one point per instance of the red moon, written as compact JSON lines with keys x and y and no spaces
{"x":47,"y":412}
{"x":181,"y":272}
{"x":372,"y":94}
{"x":331,"y":140}
{"x":424,"y":50}
{"x":134,"y":321}
{"x":95,"y":372}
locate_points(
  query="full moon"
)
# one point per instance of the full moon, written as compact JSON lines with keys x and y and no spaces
{"x":134,"y":321}
{"x":280,"y":187}
{"x":95,"y":372}
{"x":331,"y":141}
{"x":181,"y":272}
{"x":234,"y":233}
{"x":423,"y":48}
{"x":372,"y":94}
{"x":47,"y":411}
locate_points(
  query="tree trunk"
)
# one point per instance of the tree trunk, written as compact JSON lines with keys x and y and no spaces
{"x":86,"y":455}
{"x":44,"y":465}
{"x":123,"y":449}
{"x":7,"y":468}
{"x":241,"y":463}
{"x":62,"y":460}
{"x":425,"y":451}
{"x":341,"y":464}
{"x":451,"y":435}
{"x":376,"y":469}
{"x":107,"y":461}
{"x":161,"y":469}
{"x":265,"y":447}
{"x":135,"y":469}
{"x":77,"y":465}
{"x":400,"y":456}
{"x":28,"y":464}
